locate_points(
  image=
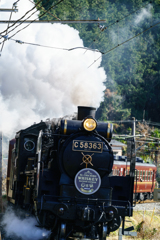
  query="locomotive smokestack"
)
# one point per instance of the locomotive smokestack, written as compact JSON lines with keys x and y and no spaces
{"x":85,"y":111}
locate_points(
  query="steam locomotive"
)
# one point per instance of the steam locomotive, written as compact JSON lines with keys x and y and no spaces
{"x":60,"y":171}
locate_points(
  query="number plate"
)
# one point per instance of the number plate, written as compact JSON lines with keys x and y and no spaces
{"x":86,"y":146}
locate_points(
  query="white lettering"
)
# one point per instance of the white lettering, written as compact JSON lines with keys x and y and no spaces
{"x":76,"y":144}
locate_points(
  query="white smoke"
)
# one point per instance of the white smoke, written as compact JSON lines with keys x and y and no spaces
{"x":144,"y":13}
{"x":120,"y":34}
{"x":37,"y":83}
{"x":24,"y":228}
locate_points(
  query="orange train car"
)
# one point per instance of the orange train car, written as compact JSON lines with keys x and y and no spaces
{"x":145,"y":176}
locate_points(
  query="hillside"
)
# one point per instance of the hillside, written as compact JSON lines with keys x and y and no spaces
{"x":133,"y":83}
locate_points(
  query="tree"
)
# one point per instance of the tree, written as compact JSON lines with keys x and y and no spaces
{"x":133,"y":81}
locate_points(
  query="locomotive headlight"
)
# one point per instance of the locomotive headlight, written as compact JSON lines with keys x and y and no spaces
{"x":89,"y":124}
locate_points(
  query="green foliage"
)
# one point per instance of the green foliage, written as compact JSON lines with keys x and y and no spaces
{"x":156,"y":133}
{"x":133,"y":68}
{"x":139,"y":227}
{"x":111,"y":108}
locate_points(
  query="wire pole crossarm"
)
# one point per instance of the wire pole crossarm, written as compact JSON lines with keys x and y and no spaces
{"x":8,"y":10}
{"x":54,"y":21}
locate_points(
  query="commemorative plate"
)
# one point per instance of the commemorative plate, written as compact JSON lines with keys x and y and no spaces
{"x":87,"y":181}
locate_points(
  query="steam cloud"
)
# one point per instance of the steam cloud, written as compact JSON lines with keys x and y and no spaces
{"x":25,"y":229}
{"x":145,"y":13}
{"x":124,"y":33}
{"x":37,"y":83}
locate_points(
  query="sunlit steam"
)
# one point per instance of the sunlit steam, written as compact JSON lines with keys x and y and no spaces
{"x":145,"y":13}
{"x":121,"y":34}
{"x":24,"y":228}
{"x":37,"y":83}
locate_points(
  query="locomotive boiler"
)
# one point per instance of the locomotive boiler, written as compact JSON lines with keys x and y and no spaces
{"x":60,"y":171}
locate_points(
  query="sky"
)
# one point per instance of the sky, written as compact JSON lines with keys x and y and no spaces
{"x":38,"y":83}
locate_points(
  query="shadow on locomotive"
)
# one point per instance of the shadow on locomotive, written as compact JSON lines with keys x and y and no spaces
{"x":60,"y":171}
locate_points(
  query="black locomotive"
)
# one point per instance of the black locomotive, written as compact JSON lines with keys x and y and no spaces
{"x":60,"y":171}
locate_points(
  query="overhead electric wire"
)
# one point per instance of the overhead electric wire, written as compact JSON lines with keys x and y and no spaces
{"x":143,"y":121}
{"x":7,"y":28}
{"x":23,"y":16}
{"x":152,"y":123}
{"x":26,"y":18}
{"x":58,"y":48}
{"x":149,"y":122}
{"x":31,"y":21}
{"x":23,"y":21}
{"x":125,"y":42}
{"x":46,"y":11}
{"x":36,"y":18}
{"x":19,"y":25}
{"x":16,"y":1}
{"x":140,"y":141}
{"x":117,"y":21}
{"x":146,"y":153}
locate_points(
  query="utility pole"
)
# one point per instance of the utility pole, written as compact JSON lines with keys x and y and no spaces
{"x":132,"y":149}
{"x":156,"y":152}
{"x":0,"y":170}
{"x":134,"y":127}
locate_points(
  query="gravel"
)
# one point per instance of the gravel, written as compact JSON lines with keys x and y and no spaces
{"x":147,"y":206}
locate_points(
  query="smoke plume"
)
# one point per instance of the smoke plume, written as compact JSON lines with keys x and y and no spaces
{"x":142,"y":17}
{"x":144,"y":13}
{"x":24,"y":228}
{"x":37,"y":83}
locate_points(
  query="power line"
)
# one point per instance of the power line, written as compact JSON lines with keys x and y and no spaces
{"x":29,"y":17}
{"x":13,"y":7}
{"x":125,"y":42}
{"x":45,"y":10}
{"x":20,"y":22}
{"x":23,"y":15}
{"x":58,"y":48}
{"x":16,"y":2}
{"x":149,"y":122}
{"x":143,"y":121}
{"x":153,"y":123}
{"x":146,"y":153}
{"x":37,"y":18}
{"x":53,"y":21}
{"x":117,"y":21}
{"x":34,"y":21}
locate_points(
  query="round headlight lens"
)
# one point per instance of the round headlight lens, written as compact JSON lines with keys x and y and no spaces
{"x":89,"y":124}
